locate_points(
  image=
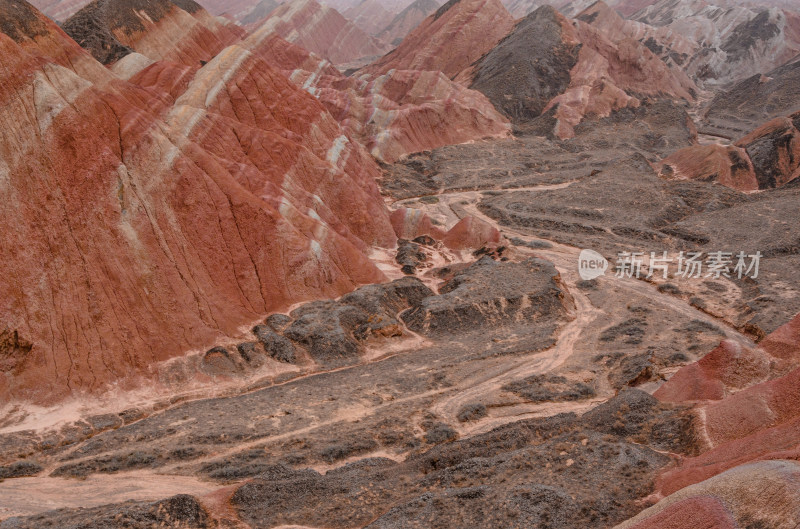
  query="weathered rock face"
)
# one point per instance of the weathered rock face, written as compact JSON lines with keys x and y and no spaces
{"x":670,"y":46}
{"x":153,"y":216}
{"x":727,"y":165}
{"x":774,"y":149}
{"x":240,"y":9}
{"x":59,"y":10}
{"x":406,"y":21}
{"x":451,"y":39}
{"x":468,"y":233}
{"x":727,"y":501}
{"x":754,"y":101}
{"x":748,"y":399}
{"x":732,"y":43}
{"x":767,"y":158}
{"x":180,"y":31}
{"x":322,"y":30}
{"x":521,"y":8}
{"x":393,"y":114}
{"x":575,"y":71}
{"x":502,"y":293}
{"x":530,"y":67}
{"x":369,"y":15}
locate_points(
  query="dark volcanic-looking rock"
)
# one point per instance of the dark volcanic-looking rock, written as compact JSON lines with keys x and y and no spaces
{"x":333,"y":331}
{"x":488,"y":291}
{"x":529,"y":67}
{"x":754,"y":101}
{"x":177,"y":30}
{"x":276,"y":346}
{"x":409,"y":256}
{"x":774,"y":150}
{"x":20,"y":469}
{"x":575,"y":72}
{"x":551,"y":472}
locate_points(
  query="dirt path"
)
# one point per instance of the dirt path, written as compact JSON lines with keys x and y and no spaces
{"x":28,"y":496}
{"x":452,"y":207}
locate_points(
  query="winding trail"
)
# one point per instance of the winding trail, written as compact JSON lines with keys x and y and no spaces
{"x":452,"y":207}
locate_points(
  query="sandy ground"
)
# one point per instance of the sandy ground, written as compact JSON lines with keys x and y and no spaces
{"x":27,"y":496}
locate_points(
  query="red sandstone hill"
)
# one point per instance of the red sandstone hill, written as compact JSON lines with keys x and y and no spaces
{"x":748,"y":405}
{"x":449,"y":40}
{"x":322,"y":30}
{"x":175,"y":30}
{"x":394,"y":114}
{"x":767,"y":158}
{"x":550,"y":73}
{"x":149,"y":217}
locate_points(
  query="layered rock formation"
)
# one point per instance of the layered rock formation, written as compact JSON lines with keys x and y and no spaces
{"x":671,"y":46}
{"x":732,"y":43}
{"x":767,"y":158}
{"x":726,"y":165}
{"x":574,"y":72}
{"x":237,"y":9}
{"x":397,"y":113}
{"x":322,"y":30}
{"x":468,"y":233}
{"x":179,"y":31}
{"x":754,"y":101}
{"x":451,"y":39}
{"x":747,"y":398}
{"x":370,"y":15}
{"x":407,"y":20}
{"x":59,"y":10}
{"x":153,"y":216}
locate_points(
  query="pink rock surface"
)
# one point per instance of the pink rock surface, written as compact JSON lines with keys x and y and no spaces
{"x":749,"y":406}
{"x":701,"y":512}
{"x":394,"y":114}
{"x":322,"y":30}
{"x":449,"y":40}
{"x":612,"y":75}
{"x":413,"y":223}
{"x":726,"y":165}
{"x":468,"y":234}
{"x":764,"y":493}
{"x":407,"y":20}
{"x":370,"y":15}
{"x":150,"y":217}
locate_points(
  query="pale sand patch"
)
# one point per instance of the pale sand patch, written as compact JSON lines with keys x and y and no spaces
{"x":29,"y":496}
